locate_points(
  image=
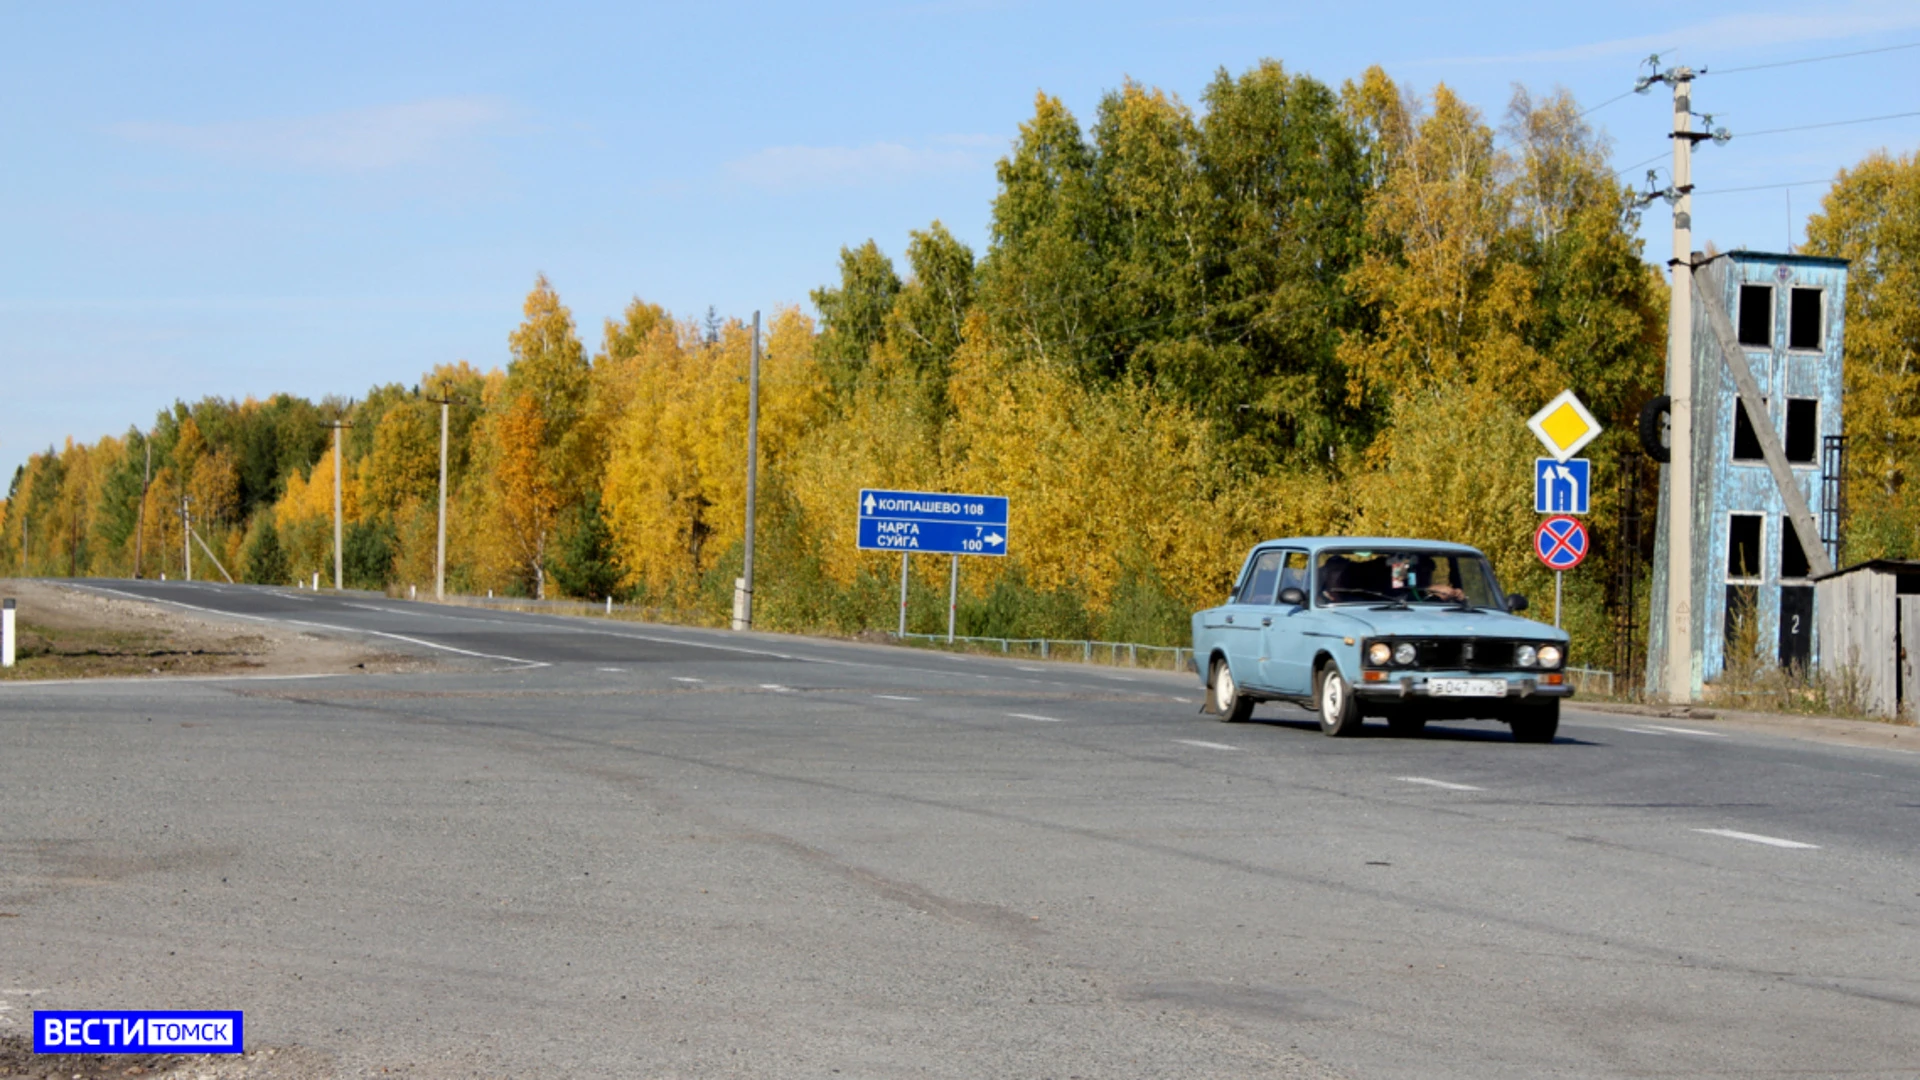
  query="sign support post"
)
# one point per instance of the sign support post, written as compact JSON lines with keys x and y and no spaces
{"x":1557,"y":575}
{"x":953,"y":597}
{"x":904,"y":556}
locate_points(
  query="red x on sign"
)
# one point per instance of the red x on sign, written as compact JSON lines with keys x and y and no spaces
{"x":1561,"y":542}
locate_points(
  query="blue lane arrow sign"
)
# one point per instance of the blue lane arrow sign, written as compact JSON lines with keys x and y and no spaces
{"x":1562,"y":487}
{"x":933,"y":523}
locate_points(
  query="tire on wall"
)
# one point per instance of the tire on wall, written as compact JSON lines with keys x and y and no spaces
{"x":1651,"y":415}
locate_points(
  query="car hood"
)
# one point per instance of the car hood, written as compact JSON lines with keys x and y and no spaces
{"x":1438,"y":622}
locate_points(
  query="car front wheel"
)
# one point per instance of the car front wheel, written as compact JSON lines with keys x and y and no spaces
{"x":1339,"y":712}
{"x":1232,"y":706}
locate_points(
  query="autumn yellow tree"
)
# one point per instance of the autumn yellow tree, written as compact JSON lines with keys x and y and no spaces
{"x":1871,"y":216}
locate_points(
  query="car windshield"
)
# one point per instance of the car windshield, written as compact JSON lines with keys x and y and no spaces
{"x":1405,"y":575}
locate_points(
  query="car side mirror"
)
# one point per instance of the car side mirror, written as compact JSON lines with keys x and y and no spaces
{"x":1293,"y":597}
{"x":1516,"y":602}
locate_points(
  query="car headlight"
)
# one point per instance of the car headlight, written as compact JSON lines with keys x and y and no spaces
{"x":1550,"y":656}
{"x":1525,"y":656}
{"x":1379,"y":653}
{"x":1403,"y":653}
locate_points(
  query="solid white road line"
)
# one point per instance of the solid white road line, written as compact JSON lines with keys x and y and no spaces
{"x":322,"y":626}
{"x":1031,"y":716}
{"x":1756,"y":838}
{"x":1448,"y":785}
{"x":1686,"y":731}
{"x":895,"y":697}
{"x":1206,"y":745}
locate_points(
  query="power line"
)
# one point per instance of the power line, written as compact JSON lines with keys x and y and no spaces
{"x":1617,"y":97}
{"x":1661,"y":156}
{"x":1814,"y":59}
{"x":1762,"y":187}
{"x":1828,"y":124}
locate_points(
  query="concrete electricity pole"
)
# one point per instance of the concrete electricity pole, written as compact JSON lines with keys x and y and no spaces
{"x":440,"y":552}
{"x":186,"y":538}
{"x":140,"y":521}
{"x":1680,"y":393}
{"x":743,"y":606}
{"x":338,"y":529}
{"x":1681,"y":668}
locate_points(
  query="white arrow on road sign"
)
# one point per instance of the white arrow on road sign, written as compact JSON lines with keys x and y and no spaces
{"x":870,"y":504}
{"x":1562,"y":487}
{"x":996,"y":539}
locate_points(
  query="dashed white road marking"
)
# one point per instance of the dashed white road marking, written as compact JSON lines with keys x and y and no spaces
{"x":615,"y":670}
{"x":895,"y":697}
{"x":1182,"y":698}
{"x":1202,"y":744}
{"x":776,"y":688}
{"x":1756,"y":838}
{"x":1030,"y":669}
{"x":1663,"y":729}
{"x":684,"y":678}
{"x":1430,"y":782}
{"x":1035,"y":716}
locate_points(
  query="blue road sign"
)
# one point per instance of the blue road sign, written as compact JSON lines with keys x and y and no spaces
{"x":933,"y":523}
{"x":1562,"y":487}
{"x":1561,"y":542}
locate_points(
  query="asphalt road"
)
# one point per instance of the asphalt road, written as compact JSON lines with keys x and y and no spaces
{"x":604,"y":849}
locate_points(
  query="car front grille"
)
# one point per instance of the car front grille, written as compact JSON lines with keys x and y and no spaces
{"x":1462,"y":654}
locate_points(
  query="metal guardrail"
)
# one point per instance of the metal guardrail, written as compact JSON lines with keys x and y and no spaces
{"x":1112,"y":653}
{"x":1583,"y":678}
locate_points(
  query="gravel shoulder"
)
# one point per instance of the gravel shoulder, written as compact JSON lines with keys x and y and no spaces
{"x":75,"y":632}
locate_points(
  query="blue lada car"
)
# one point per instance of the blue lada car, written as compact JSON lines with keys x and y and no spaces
{"x":1405,"y":630}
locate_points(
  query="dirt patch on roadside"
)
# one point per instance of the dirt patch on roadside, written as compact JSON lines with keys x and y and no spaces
{"x":70,"y":632}
{"x":19,"y":1062}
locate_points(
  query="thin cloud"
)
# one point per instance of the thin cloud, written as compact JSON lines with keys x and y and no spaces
{"x":875,"y":164}
{"x":1727,"y":34}
{"x":353,"y":140}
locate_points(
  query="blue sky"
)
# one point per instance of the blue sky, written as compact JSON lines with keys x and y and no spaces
{"x":204,"y":199}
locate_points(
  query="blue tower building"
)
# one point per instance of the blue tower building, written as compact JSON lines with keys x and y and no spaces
{"x":1749,"y":567}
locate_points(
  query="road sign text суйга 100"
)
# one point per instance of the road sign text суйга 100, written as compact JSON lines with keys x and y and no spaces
{"x":933,"y":523}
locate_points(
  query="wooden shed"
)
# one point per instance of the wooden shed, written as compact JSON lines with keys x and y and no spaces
{"x":1868,"y":634}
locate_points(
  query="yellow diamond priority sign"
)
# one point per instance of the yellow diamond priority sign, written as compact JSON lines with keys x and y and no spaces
{"x":1564,"y":426}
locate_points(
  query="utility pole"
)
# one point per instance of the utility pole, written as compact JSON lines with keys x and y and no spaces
{"x":140,"y":519}
{"x":186,"y":538}
{"x":1681,"y":669}
{"x":1680,"y":665}
{"x":743,"y":605}
{"x":338,"y":531}
{"x":440,"y":552}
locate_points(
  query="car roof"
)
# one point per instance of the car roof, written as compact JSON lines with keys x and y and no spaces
{"x":1315,"y":543}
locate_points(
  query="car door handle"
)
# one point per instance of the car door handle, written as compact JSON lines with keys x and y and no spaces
{"x":1267,"y":621}
{"x":1229,"y":620}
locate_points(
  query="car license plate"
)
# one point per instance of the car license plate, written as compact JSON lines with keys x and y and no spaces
{"x":1466,"y":687}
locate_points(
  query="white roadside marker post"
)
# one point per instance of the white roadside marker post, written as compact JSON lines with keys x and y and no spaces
{"x":6,"y":633}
